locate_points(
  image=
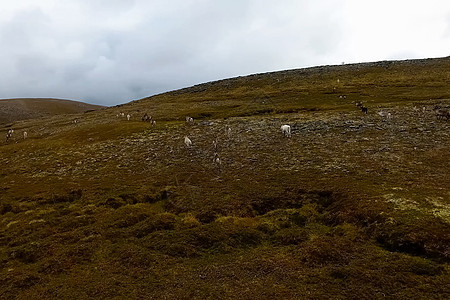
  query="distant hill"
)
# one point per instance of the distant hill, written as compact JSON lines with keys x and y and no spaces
{"x":31,"y":108}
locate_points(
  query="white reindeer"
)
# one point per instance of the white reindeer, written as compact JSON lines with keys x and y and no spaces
{"x":385,"y":114}
{"x":128,"y":117}
{"x":286,"y":130}
{"x":187,"y":142}
{"x":9,"y":134}
{"x":25,"y":135}
{"x":228,"y":130}
{"x":216,"y":159}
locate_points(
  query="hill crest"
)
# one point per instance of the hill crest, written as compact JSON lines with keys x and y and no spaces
{"x":17,"y":109}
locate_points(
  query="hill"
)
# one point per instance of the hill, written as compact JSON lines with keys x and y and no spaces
{"x":352,"y":205}
{"x":32,"y":108}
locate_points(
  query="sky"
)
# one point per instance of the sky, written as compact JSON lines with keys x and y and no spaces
{"x":110,"y":52}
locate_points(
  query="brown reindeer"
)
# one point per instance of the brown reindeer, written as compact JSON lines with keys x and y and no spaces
{"x":146,"y":118}
{"x":364,"y":109}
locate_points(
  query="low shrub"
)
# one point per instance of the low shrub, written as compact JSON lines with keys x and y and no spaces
{"x":422,"y":266}
{"x":129,"y":198}
{"x":189,"y":221}
{"x":69,"y":197}
{"x":28,"y":253}
{"x":5,"y":208}
{"x":128,"y":220}
{"x":423,"y":236}
{"x":114,"y":203}
{"x":158,"y":196}
{"x":245,"y":237}
{"x":328,"y":250}
{"x":164,"y":221}
{"x":290,"y":236}
{"x":207,"y":217}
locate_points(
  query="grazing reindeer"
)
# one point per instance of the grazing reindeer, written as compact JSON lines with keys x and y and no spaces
{"x":187,"y":142}
{"x":189,"y":119}
{"x":358,"y":104}
{"x":364,"y":109}
{"x":384,"y":114}
{"x":146,"y":118}
{"x":216,"y":159}
{"x":215,"y":145}
{"x":9,"y":134}
{"x":228,"y":130}
{"x":286,"y":130}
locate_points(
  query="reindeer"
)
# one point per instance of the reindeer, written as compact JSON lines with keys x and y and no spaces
{"x":9,"y":134}
{"x":187,"y":142}
{"x":147,"y":118}
{"x":364,"y":109}
{"x":286,"y":130}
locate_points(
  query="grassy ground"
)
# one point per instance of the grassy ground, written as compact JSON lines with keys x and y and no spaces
{"x":351,"y":206}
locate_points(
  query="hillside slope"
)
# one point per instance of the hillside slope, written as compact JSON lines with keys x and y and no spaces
{"x":352,"y":205}
{"x":32,"y":108}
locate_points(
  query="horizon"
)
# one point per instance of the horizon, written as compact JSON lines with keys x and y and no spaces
{"x":230,"y":78}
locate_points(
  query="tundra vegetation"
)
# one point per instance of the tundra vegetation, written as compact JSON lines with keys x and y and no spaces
{"x":352,"y":205}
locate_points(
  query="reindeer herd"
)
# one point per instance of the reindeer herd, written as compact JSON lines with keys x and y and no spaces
{"x":441,"y":114}
{"x":286,"y":128}
{"x":9,"y":134}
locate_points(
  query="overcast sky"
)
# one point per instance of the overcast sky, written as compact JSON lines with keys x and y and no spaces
{"x":113,"y":51}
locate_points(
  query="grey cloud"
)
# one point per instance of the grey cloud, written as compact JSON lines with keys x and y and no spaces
{"x":113,"y":51}
{"x":106,"y":6}
{"x":188,"y":43}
